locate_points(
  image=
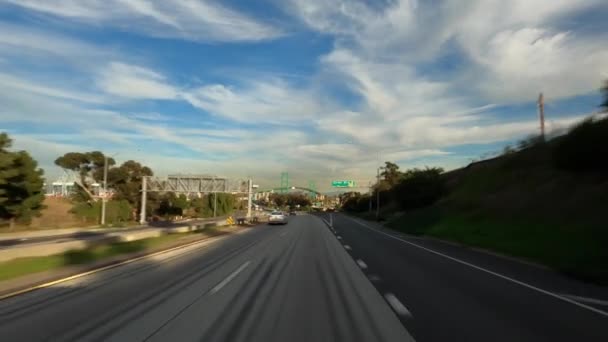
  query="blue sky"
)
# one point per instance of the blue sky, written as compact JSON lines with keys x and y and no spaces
{"x":323,"y":89}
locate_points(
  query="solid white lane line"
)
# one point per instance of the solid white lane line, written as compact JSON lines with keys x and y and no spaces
{"x":347,"y":247}
{"x":361,"y":264}
{"x":586,"y":299}
{"x":548,"y":293}
{"x":229,"y":278}
{"x":397,"y":305}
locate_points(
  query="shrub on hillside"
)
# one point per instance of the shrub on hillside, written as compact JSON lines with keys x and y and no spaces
{"x":418,"y":188}
{"x":116,"y":211}
{"x":358,"y":203}
{"x":584,"y":148}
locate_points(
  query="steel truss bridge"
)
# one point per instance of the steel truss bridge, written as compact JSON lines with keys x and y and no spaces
{"x":194,"y":184}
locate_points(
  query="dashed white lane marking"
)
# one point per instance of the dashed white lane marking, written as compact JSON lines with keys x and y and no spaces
{"x":397,"y":305}
{"x":339,"y":237}
{"x":229,"y":278}
{"x":361,"y":264}
{"x":548,"y":293}
{"x":586,"y":299}
{"x":347,"y":247}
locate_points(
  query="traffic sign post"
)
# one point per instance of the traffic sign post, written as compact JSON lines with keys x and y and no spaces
{"x":343,"y":184}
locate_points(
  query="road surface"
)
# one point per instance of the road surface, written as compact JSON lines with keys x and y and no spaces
{"x":458,"y":294}
{"x":270,"y":283}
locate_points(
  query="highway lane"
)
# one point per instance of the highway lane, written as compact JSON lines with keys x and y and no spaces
{"x":269,"y":283}
{"x":452,"y":295}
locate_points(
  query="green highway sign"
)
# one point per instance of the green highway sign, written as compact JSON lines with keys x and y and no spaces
{"x":343,"y":184}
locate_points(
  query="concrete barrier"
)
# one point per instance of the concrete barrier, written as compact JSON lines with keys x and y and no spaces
{"x":61,"y":246}
{"x":138,"y":235}
{"x":176,"y":230}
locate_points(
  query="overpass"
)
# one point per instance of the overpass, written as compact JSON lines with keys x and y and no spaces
{"x":291,"y":188}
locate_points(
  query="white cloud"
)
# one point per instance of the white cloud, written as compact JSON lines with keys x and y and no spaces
{"x":272,"y":100}
{"x":198,"y":20}
{"x":22,"y":41}
{"x":20,"y":84}
{"x":515,"y":47}
{"x":520,"y":63}
{"x":132,"y":81}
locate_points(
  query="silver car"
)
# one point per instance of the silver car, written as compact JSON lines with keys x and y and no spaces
{"x":277,"y":217}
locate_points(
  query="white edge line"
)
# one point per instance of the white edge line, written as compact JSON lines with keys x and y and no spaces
{"x":229,"y":278}
{"x":361,"y":264}
{"x":586,"y":299}
{"x":548,"y":293}
{"x":396,"y":304}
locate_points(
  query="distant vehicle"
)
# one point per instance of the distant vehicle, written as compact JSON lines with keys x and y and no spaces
{"x":277,"y":217}
{"x":292,"y":213}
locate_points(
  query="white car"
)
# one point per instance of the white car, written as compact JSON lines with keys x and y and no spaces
{"x":277,"y":217}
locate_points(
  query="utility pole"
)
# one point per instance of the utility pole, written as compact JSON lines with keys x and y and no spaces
{"x":378,"y":193}
{"x":541,"y":115}
{"x":144,"y":186}
{"x":249,"y":197}
{"x":371,"y":192}
{"x":214,"y":197}
{"x":105,"y":190}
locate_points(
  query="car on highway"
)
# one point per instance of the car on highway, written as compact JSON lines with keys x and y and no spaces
{"x":292,"y":213}
{"x":277,"y":217}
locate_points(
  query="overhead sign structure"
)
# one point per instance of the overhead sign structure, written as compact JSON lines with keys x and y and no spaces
{"x":343,"y":184}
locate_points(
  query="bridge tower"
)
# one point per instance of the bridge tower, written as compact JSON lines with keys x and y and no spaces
{"x":313,"y":187}
{"x":284,"y":182}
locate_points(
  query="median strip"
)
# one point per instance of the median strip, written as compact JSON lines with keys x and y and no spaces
{"x":91,"y":260}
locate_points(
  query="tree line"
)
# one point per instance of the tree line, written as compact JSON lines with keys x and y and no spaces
{"x":411,"y":189}
{"x":21,"y":185}
{"x":125,"y":182}
{"x":288,"y":200}
{"x":22,"y":190}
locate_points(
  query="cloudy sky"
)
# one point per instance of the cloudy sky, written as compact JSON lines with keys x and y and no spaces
{"x":322,"y":89}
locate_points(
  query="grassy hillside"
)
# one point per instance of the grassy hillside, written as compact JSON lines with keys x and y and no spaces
{"x":55,"y":215}
{"x":546,"y":203}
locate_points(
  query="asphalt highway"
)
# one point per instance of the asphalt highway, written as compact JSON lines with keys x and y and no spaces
{"x":458,"y":294}
{"x":268,"y":283}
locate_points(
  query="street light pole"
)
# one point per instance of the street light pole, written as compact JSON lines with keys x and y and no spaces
{"x":378,"y":192}
{"x":370,"y":196}
{"x":105,"y":190}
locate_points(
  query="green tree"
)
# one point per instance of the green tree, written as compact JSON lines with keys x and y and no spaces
{"x":391,"y":174}
{"x":6,"y":165}
{"x":89,"y":166}
{"x":418,"y":188}
{"x":278,"y":199}
{"x":21,"y":187}
{"x":126,"y":181}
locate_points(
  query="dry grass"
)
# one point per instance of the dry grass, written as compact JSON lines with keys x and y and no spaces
{"x":56,"y":215}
